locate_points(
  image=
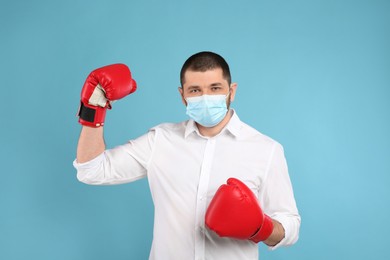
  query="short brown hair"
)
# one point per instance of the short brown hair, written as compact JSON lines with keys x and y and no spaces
{"x":203,"y":61}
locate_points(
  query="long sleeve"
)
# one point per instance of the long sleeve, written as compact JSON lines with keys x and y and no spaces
{"x":122,"y":164}
{"x":277,"y":197}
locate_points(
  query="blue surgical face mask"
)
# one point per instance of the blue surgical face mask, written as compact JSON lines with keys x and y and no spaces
{"x":207,"y":110}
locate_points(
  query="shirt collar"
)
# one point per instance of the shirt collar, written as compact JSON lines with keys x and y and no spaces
{"x":233,"y":126}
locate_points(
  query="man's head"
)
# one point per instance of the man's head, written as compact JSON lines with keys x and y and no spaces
{"x":206,"y":89}
{"x":206,"y":73}
{"x":204,"y":61}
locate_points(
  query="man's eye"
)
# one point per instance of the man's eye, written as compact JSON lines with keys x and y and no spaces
{"x":194,"y":90}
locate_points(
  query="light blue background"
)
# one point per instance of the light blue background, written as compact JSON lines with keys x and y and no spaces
{"x":314,"y":75}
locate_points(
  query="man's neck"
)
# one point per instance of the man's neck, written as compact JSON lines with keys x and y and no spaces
{"x":213,"y":131}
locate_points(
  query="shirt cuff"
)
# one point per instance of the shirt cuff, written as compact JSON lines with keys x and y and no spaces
{"x":290,"y":235}
{"x":89,"y":164}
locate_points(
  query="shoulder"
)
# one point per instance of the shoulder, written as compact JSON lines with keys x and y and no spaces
{"x":249,"y":133}
{"x":170,"y":128}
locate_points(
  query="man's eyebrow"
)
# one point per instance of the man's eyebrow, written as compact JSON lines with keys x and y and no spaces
{"x":193,"y":86}
{"x":215,"y":84}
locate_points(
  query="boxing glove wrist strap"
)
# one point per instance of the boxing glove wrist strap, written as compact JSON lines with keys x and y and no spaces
{"x":91,"y":115}
{"x":264,"y":231}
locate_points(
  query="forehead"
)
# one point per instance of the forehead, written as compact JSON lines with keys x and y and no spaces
{"x":200,"y":78}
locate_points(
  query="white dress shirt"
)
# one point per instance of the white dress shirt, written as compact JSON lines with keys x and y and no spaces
{"x":184,"y":170}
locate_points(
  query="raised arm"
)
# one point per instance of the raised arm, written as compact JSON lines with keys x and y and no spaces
{"x":101,"y":88}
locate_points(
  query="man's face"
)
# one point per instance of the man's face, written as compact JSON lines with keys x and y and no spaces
{"x":210,"y":82}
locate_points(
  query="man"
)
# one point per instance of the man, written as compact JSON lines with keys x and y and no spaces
{"x":197,"y":215}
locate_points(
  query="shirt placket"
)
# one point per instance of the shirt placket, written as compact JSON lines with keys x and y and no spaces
{"x":201,"y":200}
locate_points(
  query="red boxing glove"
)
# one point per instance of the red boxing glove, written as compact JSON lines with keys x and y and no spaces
{"x":101,"y":87}
{"x":235,"y":212}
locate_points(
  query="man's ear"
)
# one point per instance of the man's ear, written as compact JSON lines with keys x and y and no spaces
{"x":182,"y":95}
{"x":233,"y":88}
